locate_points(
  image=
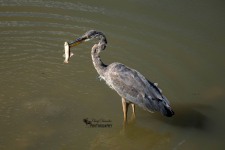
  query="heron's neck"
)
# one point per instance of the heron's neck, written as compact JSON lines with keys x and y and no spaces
{"x":98,"y":64}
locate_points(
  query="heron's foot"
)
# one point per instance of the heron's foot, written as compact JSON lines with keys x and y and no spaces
{"x":132,"y":120}
{"x":124,"y":124}
{"x":122,"y":131}
{"x":133,"y":117}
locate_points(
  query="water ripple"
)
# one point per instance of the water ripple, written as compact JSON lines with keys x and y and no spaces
{"x":46,"y":15}
{"x":53,"y":4}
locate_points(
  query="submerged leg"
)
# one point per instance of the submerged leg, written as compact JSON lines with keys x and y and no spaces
{"x":125,"y":109}
{"x":133,"y":110}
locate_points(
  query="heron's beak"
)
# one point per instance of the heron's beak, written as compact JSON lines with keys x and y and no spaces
{"x":78,"y":41}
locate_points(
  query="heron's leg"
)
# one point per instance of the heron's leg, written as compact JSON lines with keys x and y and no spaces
{"x":133,"y":110}
{"x":125,"y":109}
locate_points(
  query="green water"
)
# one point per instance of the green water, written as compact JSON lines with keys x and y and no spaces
{"x":178,"y":44}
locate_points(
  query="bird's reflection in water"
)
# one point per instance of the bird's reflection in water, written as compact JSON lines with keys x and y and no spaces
{"x":132,"y":137}
{"x":137,"y":136}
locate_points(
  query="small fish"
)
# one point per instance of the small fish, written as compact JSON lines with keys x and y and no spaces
{"x":68,"y":53}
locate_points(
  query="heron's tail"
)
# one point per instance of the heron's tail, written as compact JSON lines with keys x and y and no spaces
{"x":165,"y":109}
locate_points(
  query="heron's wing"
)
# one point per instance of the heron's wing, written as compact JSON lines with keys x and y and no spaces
{"x":132,"y":85}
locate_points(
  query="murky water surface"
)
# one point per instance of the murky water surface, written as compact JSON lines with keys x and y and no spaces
{"x":45,"y":104}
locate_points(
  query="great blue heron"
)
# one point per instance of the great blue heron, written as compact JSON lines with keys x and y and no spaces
{"x":132,"y":86}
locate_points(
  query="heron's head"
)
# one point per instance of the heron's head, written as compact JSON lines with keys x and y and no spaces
{"x":89,"y":35}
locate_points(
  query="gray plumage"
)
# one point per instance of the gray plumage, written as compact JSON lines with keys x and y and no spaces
{"x":127,"y":82}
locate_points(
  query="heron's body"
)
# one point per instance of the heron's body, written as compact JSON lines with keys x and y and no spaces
{"x":139,"y":91}
{"x":131,"y":85}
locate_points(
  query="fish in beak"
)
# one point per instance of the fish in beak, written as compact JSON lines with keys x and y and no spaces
{"x":86,"y":37}
{"x":67,"y":47}
{"x":68,"y":53}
